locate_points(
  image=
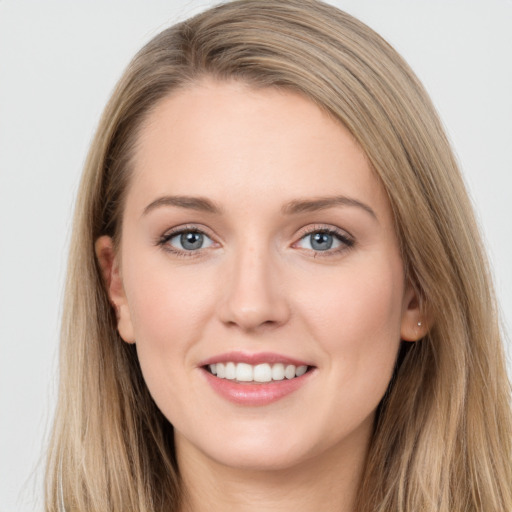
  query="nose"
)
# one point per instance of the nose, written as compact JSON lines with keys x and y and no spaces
{"x":254,"y":295}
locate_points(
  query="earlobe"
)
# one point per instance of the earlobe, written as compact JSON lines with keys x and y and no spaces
{"x":414,"y":325}
{"x":110,"y":269}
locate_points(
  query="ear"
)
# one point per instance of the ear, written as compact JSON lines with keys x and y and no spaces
{"x":110,"y":268}
{"x":414,"y":325}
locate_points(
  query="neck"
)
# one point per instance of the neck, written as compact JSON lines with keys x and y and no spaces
{"x":326,"y":482}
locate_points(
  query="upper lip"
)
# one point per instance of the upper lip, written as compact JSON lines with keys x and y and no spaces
{"x":253,"y":358}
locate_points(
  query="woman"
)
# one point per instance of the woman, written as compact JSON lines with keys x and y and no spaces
{"x":277,"y":297}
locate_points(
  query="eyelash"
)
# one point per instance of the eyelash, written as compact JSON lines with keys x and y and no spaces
{"x":163,"y":241}
{"x":347,"y":242}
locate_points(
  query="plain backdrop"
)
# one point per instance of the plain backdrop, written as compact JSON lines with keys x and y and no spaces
{"x":59,"y":60}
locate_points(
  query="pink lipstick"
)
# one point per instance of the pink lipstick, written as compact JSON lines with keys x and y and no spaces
{"x":255,"y":379}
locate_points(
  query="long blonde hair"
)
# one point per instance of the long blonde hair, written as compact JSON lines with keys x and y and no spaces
{"x":442,"y":438}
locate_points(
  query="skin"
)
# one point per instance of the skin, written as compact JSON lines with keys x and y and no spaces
{"x":257,"y":285}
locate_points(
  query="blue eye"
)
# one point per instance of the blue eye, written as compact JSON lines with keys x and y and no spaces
{"x":322,"y":240}
{"x":188,"y":240}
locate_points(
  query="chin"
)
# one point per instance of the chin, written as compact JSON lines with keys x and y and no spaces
{"x":260,"y":458}
{"x":264,"y":449}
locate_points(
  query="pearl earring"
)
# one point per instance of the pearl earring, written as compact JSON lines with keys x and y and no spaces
{"x":419,"y":324}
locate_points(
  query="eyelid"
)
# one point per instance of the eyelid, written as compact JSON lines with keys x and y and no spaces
{"x":197,"y":228}
{"x":325,"y":228}
{"x":163,"y":240}
{"x":347,"y":240}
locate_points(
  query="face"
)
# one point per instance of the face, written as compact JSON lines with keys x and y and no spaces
{"x":257,"y":244}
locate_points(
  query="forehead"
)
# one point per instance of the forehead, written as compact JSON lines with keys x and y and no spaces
{"x":227,"y":139}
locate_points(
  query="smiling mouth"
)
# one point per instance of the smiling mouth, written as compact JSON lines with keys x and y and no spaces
{"x":259,"y":373}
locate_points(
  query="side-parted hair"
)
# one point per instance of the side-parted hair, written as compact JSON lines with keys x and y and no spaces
{"x":443,"y":432}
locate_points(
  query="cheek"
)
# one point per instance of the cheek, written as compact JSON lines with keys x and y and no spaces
{"x":169,"y":309}
{"x":355,"y":323}
{"x":356,"y":319}
{"x":165,"y":302}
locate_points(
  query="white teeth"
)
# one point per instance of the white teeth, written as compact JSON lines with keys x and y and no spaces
{"x":221,"y":371}
{"x":278,"y":371}
{"x":230,"y":371}
{"x":264,"y":372}
{"x":289,"y":371}
{"x":301,"y":370}
{"x":244,"y":372}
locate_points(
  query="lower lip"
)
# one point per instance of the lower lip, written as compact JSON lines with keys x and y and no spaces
{"x":253,"y":393}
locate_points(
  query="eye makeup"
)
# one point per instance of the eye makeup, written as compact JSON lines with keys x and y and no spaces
{"x":192,"y":240}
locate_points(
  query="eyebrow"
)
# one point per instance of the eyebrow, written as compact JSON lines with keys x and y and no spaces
{"x":192,"y":203}
{"x":322,"y":203}
{"x":292,"y":208}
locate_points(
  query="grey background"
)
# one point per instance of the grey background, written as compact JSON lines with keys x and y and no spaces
{"x":59,"y":60}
